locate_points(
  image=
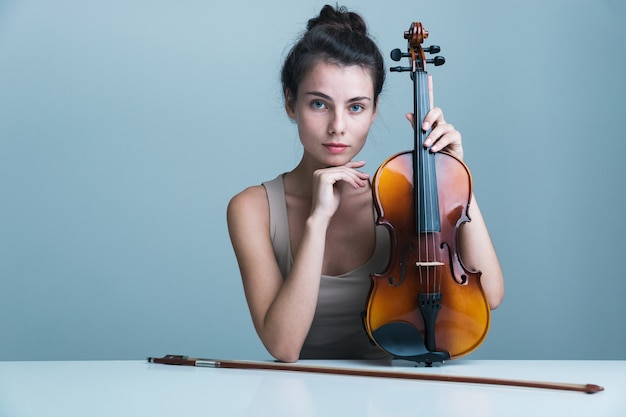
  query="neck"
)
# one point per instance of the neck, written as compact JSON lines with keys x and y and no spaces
{"x":299,"y":181}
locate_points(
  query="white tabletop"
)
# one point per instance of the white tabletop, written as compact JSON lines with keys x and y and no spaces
{"x":137,"y":388}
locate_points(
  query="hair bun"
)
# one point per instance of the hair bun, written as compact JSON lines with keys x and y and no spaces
{"x":339,"y":18}
{"x":335,"y":36}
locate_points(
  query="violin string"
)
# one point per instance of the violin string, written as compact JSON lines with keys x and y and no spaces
{"x":428,"y":164}
{"x":416,"y":175}
{"x":422,"y":189}
{"x":426,"y":185}
{"x":438,"y":269}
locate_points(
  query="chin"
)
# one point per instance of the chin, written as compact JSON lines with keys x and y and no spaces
{"x":338,"y":160}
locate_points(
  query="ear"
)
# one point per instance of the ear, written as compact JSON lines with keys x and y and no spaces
{"x":289,"y":104}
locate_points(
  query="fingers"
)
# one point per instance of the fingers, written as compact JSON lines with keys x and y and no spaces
{"x":433,"y":118}
{"x":355,"y":164}
{"x":443,"y":135}
{"x":347,"y":173}
{"x":411,"y":119}
{"x":328,"y":184}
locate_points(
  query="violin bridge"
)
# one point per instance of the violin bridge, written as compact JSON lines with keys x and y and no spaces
{"x":418,"y":263}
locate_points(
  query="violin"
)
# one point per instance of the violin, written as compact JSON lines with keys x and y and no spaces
{"x":426,"y":306}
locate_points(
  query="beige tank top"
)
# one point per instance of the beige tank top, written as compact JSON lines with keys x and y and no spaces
{"x":337,"y":330}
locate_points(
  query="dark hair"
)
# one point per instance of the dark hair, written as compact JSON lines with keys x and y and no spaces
{"x":336,"y":36}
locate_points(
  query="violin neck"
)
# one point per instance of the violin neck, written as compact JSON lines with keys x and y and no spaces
{"x":425,"y":177}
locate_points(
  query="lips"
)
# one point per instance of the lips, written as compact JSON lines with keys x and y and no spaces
{"x":336,"y":147}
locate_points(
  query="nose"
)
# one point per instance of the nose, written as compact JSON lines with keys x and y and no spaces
{"x":337,"y":123}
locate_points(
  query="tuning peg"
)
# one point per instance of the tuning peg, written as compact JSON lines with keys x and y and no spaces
{"x":438,"y":60}
{"x":400,"y":69}
{"x":397,"y":54}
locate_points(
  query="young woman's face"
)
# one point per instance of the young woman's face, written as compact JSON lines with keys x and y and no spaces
{"x":334,"y":111}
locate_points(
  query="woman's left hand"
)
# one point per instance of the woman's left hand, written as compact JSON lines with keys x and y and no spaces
{"x":443,"y":135}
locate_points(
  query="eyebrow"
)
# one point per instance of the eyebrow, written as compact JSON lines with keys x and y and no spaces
{"x":327,"y":97}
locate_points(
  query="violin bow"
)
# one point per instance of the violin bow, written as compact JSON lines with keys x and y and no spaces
{"x":378,"y":373}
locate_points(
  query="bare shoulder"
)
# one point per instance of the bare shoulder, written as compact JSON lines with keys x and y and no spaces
{"x":252,"y":195}
{"x":248,"y":226}
{"x":249,"y":206}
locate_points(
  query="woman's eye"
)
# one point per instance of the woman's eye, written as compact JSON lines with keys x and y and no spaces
{"x":318,"y":104}
{"x":356,"y":108}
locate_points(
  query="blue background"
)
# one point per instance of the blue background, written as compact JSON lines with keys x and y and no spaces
{"x":125,"y":128}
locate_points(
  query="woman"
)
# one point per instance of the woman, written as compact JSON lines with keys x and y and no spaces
{"x":306,"y":242}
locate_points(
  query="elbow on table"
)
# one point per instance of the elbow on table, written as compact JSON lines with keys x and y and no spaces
{"x":281,"y":343}
{"x":288,"y":357}
{"x":285,"y":353}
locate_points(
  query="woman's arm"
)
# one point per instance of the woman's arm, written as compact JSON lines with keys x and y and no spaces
{"x":282,"y":308}
{"x":477,"y":253}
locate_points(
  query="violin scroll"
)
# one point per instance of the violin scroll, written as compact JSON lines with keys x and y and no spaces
{"x":415,"y":37}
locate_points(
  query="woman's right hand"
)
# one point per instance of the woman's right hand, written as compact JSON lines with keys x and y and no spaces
{"x":328,"y":184}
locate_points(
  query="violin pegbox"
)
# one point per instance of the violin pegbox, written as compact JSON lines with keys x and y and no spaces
{"x":415,"y":37}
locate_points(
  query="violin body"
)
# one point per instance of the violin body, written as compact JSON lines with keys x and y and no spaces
{"x":426,"y":306}
{"x":395,"y":320}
